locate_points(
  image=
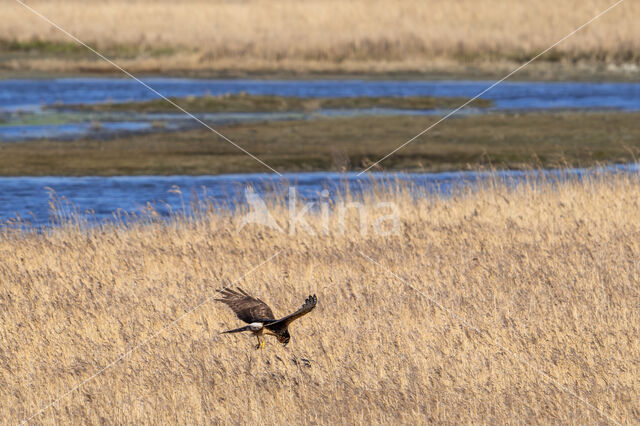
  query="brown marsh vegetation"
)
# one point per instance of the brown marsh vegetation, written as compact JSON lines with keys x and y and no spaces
{"x":244,"y":102}
{"x":503,"y":305}
{"x":321,"y":36}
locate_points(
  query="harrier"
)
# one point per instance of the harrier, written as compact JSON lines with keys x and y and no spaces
{"x":259,"y":316}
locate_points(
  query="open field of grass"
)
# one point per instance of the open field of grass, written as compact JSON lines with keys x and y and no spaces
{"x":470,"y":142}
{"x":322,"y":36}
{"x":498,"y":306}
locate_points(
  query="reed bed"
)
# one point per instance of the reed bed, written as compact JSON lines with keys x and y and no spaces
{"x":317,"y":35}
{"x":500,"y":304}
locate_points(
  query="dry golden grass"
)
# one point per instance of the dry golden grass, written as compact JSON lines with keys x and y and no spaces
{"x":548,"y":273}
{"x":323,"y":35}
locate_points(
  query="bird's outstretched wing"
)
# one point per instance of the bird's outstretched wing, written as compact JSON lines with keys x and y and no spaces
{"x":249,"y":309}
{"x":308,"y":306}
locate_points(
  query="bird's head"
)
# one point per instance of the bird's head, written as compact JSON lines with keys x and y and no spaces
{"x":284,"y":338}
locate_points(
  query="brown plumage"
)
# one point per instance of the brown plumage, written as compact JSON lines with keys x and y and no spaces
{"x":259,"y":316}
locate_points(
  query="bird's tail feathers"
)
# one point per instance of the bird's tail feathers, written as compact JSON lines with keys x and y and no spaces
{"x":237,"y":330}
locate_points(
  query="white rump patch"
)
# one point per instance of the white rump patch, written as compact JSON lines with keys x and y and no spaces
{"x":255,"y":326}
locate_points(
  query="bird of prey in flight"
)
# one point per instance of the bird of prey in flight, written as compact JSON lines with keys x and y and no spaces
{"x":259,"y":316}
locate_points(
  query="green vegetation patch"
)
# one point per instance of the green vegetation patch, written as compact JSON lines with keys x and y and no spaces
{"x":71,"y":49}
{"x":244,"y":102}
{"x":41,"y":46}
{"x":506,"y":141}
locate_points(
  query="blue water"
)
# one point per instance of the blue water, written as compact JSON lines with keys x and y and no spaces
{"x":70,"y":130}
{"x":32,"y":95}
{"x":26,"y":94}
{"x":105,"y":198}
{"x":28,"y":197}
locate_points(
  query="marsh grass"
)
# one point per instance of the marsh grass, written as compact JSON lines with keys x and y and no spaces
{"x":244,"y":102}
{"x":547,"y":271}
{"x":501,"y":140}
{"x":317,"y":36}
